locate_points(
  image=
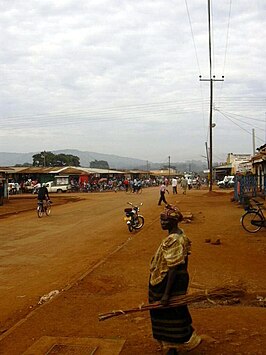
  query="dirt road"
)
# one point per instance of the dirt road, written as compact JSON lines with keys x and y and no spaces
{"x":85,"y":251}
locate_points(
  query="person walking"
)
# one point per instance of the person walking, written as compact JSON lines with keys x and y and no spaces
{"x":1,"y":194}
{"x":169,"y":277}
{"x":174,"y":186}
{"x":184,"y":185}
{"x":163,"y":189}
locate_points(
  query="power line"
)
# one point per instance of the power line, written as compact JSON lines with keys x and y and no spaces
{"x":193,"y":38}
{"x":135,"y":108}
{"x":249,"y":124}
{"x":112,"y":109}
{"x":231,"y":120}
{"x":227,"y":36}
{"x":226,"y":46}
{"x":234,"y":114}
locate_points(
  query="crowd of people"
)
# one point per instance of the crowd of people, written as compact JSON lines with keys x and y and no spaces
{"x":109,"y":184}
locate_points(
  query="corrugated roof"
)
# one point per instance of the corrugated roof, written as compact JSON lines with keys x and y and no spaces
{"x":69,"y":170}
{"x":258,"y":158}
{"x":6,"y":170}
{"x":227,"y":166}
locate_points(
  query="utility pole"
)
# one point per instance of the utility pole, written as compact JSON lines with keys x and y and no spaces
{"x":211,"y":80}
{"x":43,"y":156}
{"x":207,"y":154}
{"x":169,"y":168}
{"x":253,"y":141}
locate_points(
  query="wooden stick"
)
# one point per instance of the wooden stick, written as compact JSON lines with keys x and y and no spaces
{"x":218,"y":293}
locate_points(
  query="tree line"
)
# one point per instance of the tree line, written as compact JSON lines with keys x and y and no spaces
{"x":49,"y":159}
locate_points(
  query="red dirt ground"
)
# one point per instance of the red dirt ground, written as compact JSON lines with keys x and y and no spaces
{"x":85,"y":251}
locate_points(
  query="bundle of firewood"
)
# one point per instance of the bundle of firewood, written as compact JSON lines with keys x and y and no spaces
{"x":212,"y":295}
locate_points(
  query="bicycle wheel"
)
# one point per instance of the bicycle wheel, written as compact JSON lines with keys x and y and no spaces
{"x":252,"y":221}
{"x":48,"y":210}
{"x":39,"y":211}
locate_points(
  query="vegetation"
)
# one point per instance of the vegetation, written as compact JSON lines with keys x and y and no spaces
{"x":23,"y":165}
{"x":50,"y":159}
{"x":99,"y":164}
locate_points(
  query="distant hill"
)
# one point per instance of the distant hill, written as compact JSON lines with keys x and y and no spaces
{"x":114,"y":161}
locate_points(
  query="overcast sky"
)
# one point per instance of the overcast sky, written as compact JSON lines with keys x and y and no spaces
{"x":122,"y":77}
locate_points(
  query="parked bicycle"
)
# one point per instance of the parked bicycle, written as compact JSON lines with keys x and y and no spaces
{"x":44,"y":207}
{"x":253,"y":219}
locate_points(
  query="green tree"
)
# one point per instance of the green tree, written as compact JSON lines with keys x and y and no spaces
{"x":100,"y":164}
{"x":50,"y":159}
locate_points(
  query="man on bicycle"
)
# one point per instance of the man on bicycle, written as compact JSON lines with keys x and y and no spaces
{"x":43,"y":194}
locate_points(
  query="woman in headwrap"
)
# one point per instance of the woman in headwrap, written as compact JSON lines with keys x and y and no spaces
{"x":172,"y":327}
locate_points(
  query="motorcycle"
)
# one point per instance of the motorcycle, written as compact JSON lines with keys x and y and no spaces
{"x":133,"y":219}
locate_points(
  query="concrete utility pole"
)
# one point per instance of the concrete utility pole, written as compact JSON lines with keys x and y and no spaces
{"x":169,"y":168}
{"x":253,"y":141}
{"x":207,"y":154}
{"x":211,"y":80}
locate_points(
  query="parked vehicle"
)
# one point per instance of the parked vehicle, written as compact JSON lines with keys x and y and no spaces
{"x":13,"y":188}
{"x":227,"y":182}
{"x":52,"y":187}
{"x":133,"y":219}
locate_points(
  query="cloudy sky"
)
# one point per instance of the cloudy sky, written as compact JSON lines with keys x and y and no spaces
{"x":122,"y":77}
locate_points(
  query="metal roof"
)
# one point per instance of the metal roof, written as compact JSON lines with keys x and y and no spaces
{"x":70,"y":170}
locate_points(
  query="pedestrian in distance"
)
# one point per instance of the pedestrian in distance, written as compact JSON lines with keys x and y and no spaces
{"x":1,"y":194}
{"x":171,"y":327}
{"x":189,"y":183}
{"x":184,"y":185}
{"x":174,"y":186}
{"x":163,"y":190}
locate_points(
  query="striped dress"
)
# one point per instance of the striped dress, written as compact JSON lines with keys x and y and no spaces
{"x":171,"y":325}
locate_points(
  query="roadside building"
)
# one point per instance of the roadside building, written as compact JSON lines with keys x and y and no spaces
{"x":4,"y":173}
{"x":259,"y":168}
{"x":232,"y":166}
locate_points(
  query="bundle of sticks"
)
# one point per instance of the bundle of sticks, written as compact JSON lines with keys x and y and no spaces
{"x":222,"y":293}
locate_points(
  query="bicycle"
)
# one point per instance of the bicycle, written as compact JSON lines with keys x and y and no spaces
{"x":44,"y":207}
{"x":253,"y":220}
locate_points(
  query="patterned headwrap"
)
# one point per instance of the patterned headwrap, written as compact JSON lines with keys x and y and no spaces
{"x":171,"y":212}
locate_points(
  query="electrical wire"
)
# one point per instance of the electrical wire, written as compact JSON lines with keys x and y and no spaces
{"x":231,"y":120}
{"x":248,"y":124}
{"x":250,"y":118}
{"x":193,"y":38}
{"x":111,"y":114}
{"x":227,"y":36}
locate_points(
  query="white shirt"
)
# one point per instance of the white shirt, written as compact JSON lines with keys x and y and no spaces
{"x":174,"y":182}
